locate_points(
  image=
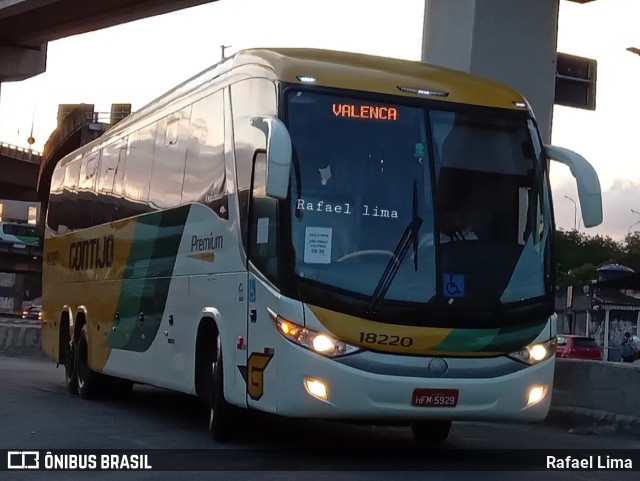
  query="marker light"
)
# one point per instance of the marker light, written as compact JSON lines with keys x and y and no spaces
{"x":316,"y":388}
{"x":315,"y":341}
{"x":306,"y":78}
{"x":520,"y":104}
{"x":536,"y":394}
{"x":535,"y":353}
{"x":431,"y":93}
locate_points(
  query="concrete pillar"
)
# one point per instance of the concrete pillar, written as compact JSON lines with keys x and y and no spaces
{"x":20,"y":63}
{"x":512,"y":41}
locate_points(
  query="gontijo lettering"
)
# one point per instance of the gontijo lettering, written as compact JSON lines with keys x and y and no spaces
{"x":365,"y":112}
{"x":94,"y":253}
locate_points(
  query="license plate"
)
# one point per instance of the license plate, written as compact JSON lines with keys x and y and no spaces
{"x":435,"y":398}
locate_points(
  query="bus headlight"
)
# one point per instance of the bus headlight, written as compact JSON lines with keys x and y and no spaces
{"x":313,"y":340}
{"x":536,"y":352}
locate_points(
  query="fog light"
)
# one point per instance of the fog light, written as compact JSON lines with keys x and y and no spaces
{"x":536,"y":394}
{"x":316,"y":388}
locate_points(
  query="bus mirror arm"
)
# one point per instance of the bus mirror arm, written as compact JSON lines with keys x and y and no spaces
{"x":586,"y":177}
{"x":278,"y":155}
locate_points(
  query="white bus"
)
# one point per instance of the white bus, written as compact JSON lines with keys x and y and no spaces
{"x":314,"y":234}
{"x":19,"y":235}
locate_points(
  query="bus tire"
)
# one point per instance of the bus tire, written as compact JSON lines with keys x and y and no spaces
{"x":70,"y":371}
{"x":431,"y":433}
{"x":86,"y":378}
{"x":221,"y":414}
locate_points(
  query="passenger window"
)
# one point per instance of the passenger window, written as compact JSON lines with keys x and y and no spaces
{"x":138,"y":166}
{"x":169,"y":160}
{"x":88,"y":171}
{"x":108,"y":166}
{"x":172,"y":133}
{"x":205,"y":174}
{"x":55,"y":199}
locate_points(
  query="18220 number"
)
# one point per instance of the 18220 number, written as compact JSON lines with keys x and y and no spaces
{"x":385,"y":339}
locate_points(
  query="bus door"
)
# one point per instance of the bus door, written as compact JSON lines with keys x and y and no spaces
{"x":262,"y":249}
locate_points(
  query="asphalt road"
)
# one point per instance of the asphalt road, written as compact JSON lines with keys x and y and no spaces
{"x":36,"y":412}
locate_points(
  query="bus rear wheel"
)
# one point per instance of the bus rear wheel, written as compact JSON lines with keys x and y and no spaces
{"x":87,"y":380}
{"x":431,"y":433}
{"x":222,"y":415}
{"x":70,"y":373}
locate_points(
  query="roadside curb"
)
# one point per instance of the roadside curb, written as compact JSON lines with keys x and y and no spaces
{"x":20,"y":340}
{"x":591,"y":421}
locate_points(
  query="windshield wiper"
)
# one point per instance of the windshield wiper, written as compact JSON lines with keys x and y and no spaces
{"x":409,"y":237}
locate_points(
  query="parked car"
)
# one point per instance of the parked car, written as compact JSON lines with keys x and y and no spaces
{"x":578,"y":347}
{"x":32,"y":312}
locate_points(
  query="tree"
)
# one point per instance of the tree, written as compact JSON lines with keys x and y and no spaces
{"x":578,"y":256}
{"x":631,"y":256}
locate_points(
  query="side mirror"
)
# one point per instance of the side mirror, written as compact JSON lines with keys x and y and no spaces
{"x":588,"y":184}
{"x":278,"y":155}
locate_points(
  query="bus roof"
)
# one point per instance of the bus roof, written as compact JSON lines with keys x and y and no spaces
{"x":370,"y":73}
{"x":346,"y":70}
{"x":351,"y":71}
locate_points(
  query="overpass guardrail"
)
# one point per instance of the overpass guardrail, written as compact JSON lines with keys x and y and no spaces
{"x":20,"y":153}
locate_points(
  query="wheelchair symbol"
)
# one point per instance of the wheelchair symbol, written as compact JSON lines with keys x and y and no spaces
{"x":454,"y":285}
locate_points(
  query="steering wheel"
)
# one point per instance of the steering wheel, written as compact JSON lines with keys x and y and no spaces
{"x":370,"y":252}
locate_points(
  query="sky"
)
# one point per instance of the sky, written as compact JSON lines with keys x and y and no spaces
{"x":136,"y":62}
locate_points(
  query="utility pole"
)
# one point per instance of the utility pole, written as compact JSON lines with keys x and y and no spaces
{"x":223,"y":48}
{"x":575,"y":211}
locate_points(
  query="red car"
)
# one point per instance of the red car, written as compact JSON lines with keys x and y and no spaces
{"x":578,"y":347}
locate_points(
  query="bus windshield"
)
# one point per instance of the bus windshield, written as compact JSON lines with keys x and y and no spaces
{"x":406,"y":204}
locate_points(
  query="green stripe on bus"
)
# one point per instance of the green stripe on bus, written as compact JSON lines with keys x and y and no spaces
{"x":505,"y":339}
{"x":147,"y":279}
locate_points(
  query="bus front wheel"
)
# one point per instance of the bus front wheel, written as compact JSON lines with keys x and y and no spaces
{"x":431,"y":433}
{"x":221,"y":414}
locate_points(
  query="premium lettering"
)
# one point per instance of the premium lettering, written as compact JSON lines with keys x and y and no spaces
{"x":207,"y":243}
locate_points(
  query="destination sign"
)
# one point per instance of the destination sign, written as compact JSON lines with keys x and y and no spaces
{"x":374,"y":112}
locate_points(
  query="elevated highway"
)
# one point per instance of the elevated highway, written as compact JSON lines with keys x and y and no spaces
{"x":19,"y":169}
{"x":31,"y":23}
{"x":27,"y":25}
{"x":27,"y":260}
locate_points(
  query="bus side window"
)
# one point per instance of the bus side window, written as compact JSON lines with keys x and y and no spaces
{"x":169,"y":159}
{"x":204,"y":173}
{"x":263,"y":242}
{"x":137,"y":169}
{"x":109,"y":165}
{"x":55,"y":199}
{"x":68,"y":219}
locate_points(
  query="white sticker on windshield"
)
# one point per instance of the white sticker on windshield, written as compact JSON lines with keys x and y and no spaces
{"x":317,"y":245}
{"x":262,"y":236}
